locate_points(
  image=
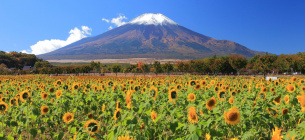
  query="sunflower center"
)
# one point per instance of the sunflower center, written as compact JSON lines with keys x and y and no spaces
{"x":45,"y":110}
{"x":278,"y":99}
{"x":245,"y":86}
{"x":285,"y":111}
{"x":233,"y":93}
{"x":193,"y":83}
{"x":233,"y":116}
{"x":273,"y":112}
{"x":76,"y":87}
{"x":92,"y":127}
{"x":25,"y":95}
{"x":211,"y":103}
{"x":13,"y":101}
{"x":2,"y":107}
{"x":69,"y":118}
{"x":222,"y":94}
{"x":152,"y":92}
{"x":192,"y":97}
{"x":291,"y":88}
{"x":51,"y":90}
{"x":262,"y":96}
{"x":173,"y":94}
{"x":118,"y":114}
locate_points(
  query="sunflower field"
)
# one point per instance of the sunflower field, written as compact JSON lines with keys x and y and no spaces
{"x":181,"y":107}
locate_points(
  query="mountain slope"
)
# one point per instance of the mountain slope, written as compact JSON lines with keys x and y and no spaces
{"x":149,"y":36}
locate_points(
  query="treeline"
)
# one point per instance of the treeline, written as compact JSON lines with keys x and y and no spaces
{"x":232,"y":64}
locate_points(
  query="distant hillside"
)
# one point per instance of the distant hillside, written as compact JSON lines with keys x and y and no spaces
{"x":17,"y":60}
{"x":149,"y":36}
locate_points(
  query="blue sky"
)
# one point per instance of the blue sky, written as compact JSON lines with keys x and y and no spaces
{"x":274,"y":26}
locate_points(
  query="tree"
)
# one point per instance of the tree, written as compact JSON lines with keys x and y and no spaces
{"x":116,"y":68}
{"x":145,"y":68}
{"x":168,"y":67}
{"x":157,"y":67}
{"x":237,"y":62}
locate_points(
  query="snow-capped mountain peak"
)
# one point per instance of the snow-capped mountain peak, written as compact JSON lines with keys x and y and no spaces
{"x":151,"y":18}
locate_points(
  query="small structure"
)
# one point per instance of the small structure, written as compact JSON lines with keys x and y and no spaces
{"x":28,"y":68}
{"x":272,"y":78}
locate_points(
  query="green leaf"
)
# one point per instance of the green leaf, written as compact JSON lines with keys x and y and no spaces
{"x":60,"y":136}
{"x":73,"y":130}
{"x":173,"y":126}
{"x":33,"y":132}
{"x":9,"y":137}
{"x":42,"y":129}
{"x":192,"y":128}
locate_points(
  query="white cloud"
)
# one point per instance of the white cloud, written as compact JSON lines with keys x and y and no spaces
{"x":103,"y":19}
{"x":46,"y":46}
{"x":118,"y":21}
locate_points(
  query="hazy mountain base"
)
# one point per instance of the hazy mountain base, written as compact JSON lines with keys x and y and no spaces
{"x":126,"y":61}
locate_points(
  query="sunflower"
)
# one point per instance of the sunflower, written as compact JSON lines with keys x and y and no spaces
{"x":3,"y":99}
{"x":197,"y":87}
{"x":208,"y":136}
{"x":286,"y":99}
{"x":75,"y":86}
{"x":128,"y":100}
{"x":262,"y":95}
{"x":153,"y":91}
{"x":44,"y":110}
{"x":92,"y":126}
{"x":211,"y":103}
{"x":126,"y":137}
{"x":191,"y":97}
{"x":272,"y":111}
{"x":153,"y":115}
{"x":212,"y":82}
{"x":233,"y":93}
{"x":58,"y":94}
{"x":216,"y":88}
{"x":58,"y":82}
{"x":68,"y":117}
{"x":231,"y":100}
{"x":232,"y":117}
{"x":221,"y":95}
{"x":117,"y":114}
{"x":293,"y":79}
{"x":110,"y":83}
{"x":272,"y":89}
{"x":277,"y":100}
{"x":290,"y":88}
{"x":24,"y":96}
{"x":264,"y":89}
{"x":301,"y":99}
{"x":192,"y":82}
{"x":276,"y":134}
{"x":14,"y":101}
{"x":203,"y":83}
{"x":44,"y":95}
{"x":303,"y":88}
{"x":193,"y":118}
{"x":3,"y":107}
{"x":172,"y":94}
{"x":51,"y":90}
{"x":285,"y":111}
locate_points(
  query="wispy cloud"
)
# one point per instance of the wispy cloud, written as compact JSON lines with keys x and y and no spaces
{"x":46,"y":46}
{"x":117,"y":21}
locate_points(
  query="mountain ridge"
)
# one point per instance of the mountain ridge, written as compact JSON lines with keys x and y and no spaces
{"x":159,"y":37}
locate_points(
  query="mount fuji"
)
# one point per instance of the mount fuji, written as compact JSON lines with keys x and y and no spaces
{"x":149,"y":36}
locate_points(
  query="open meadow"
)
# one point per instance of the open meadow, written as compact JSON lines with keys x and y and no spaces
{"x":186,"y":107}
